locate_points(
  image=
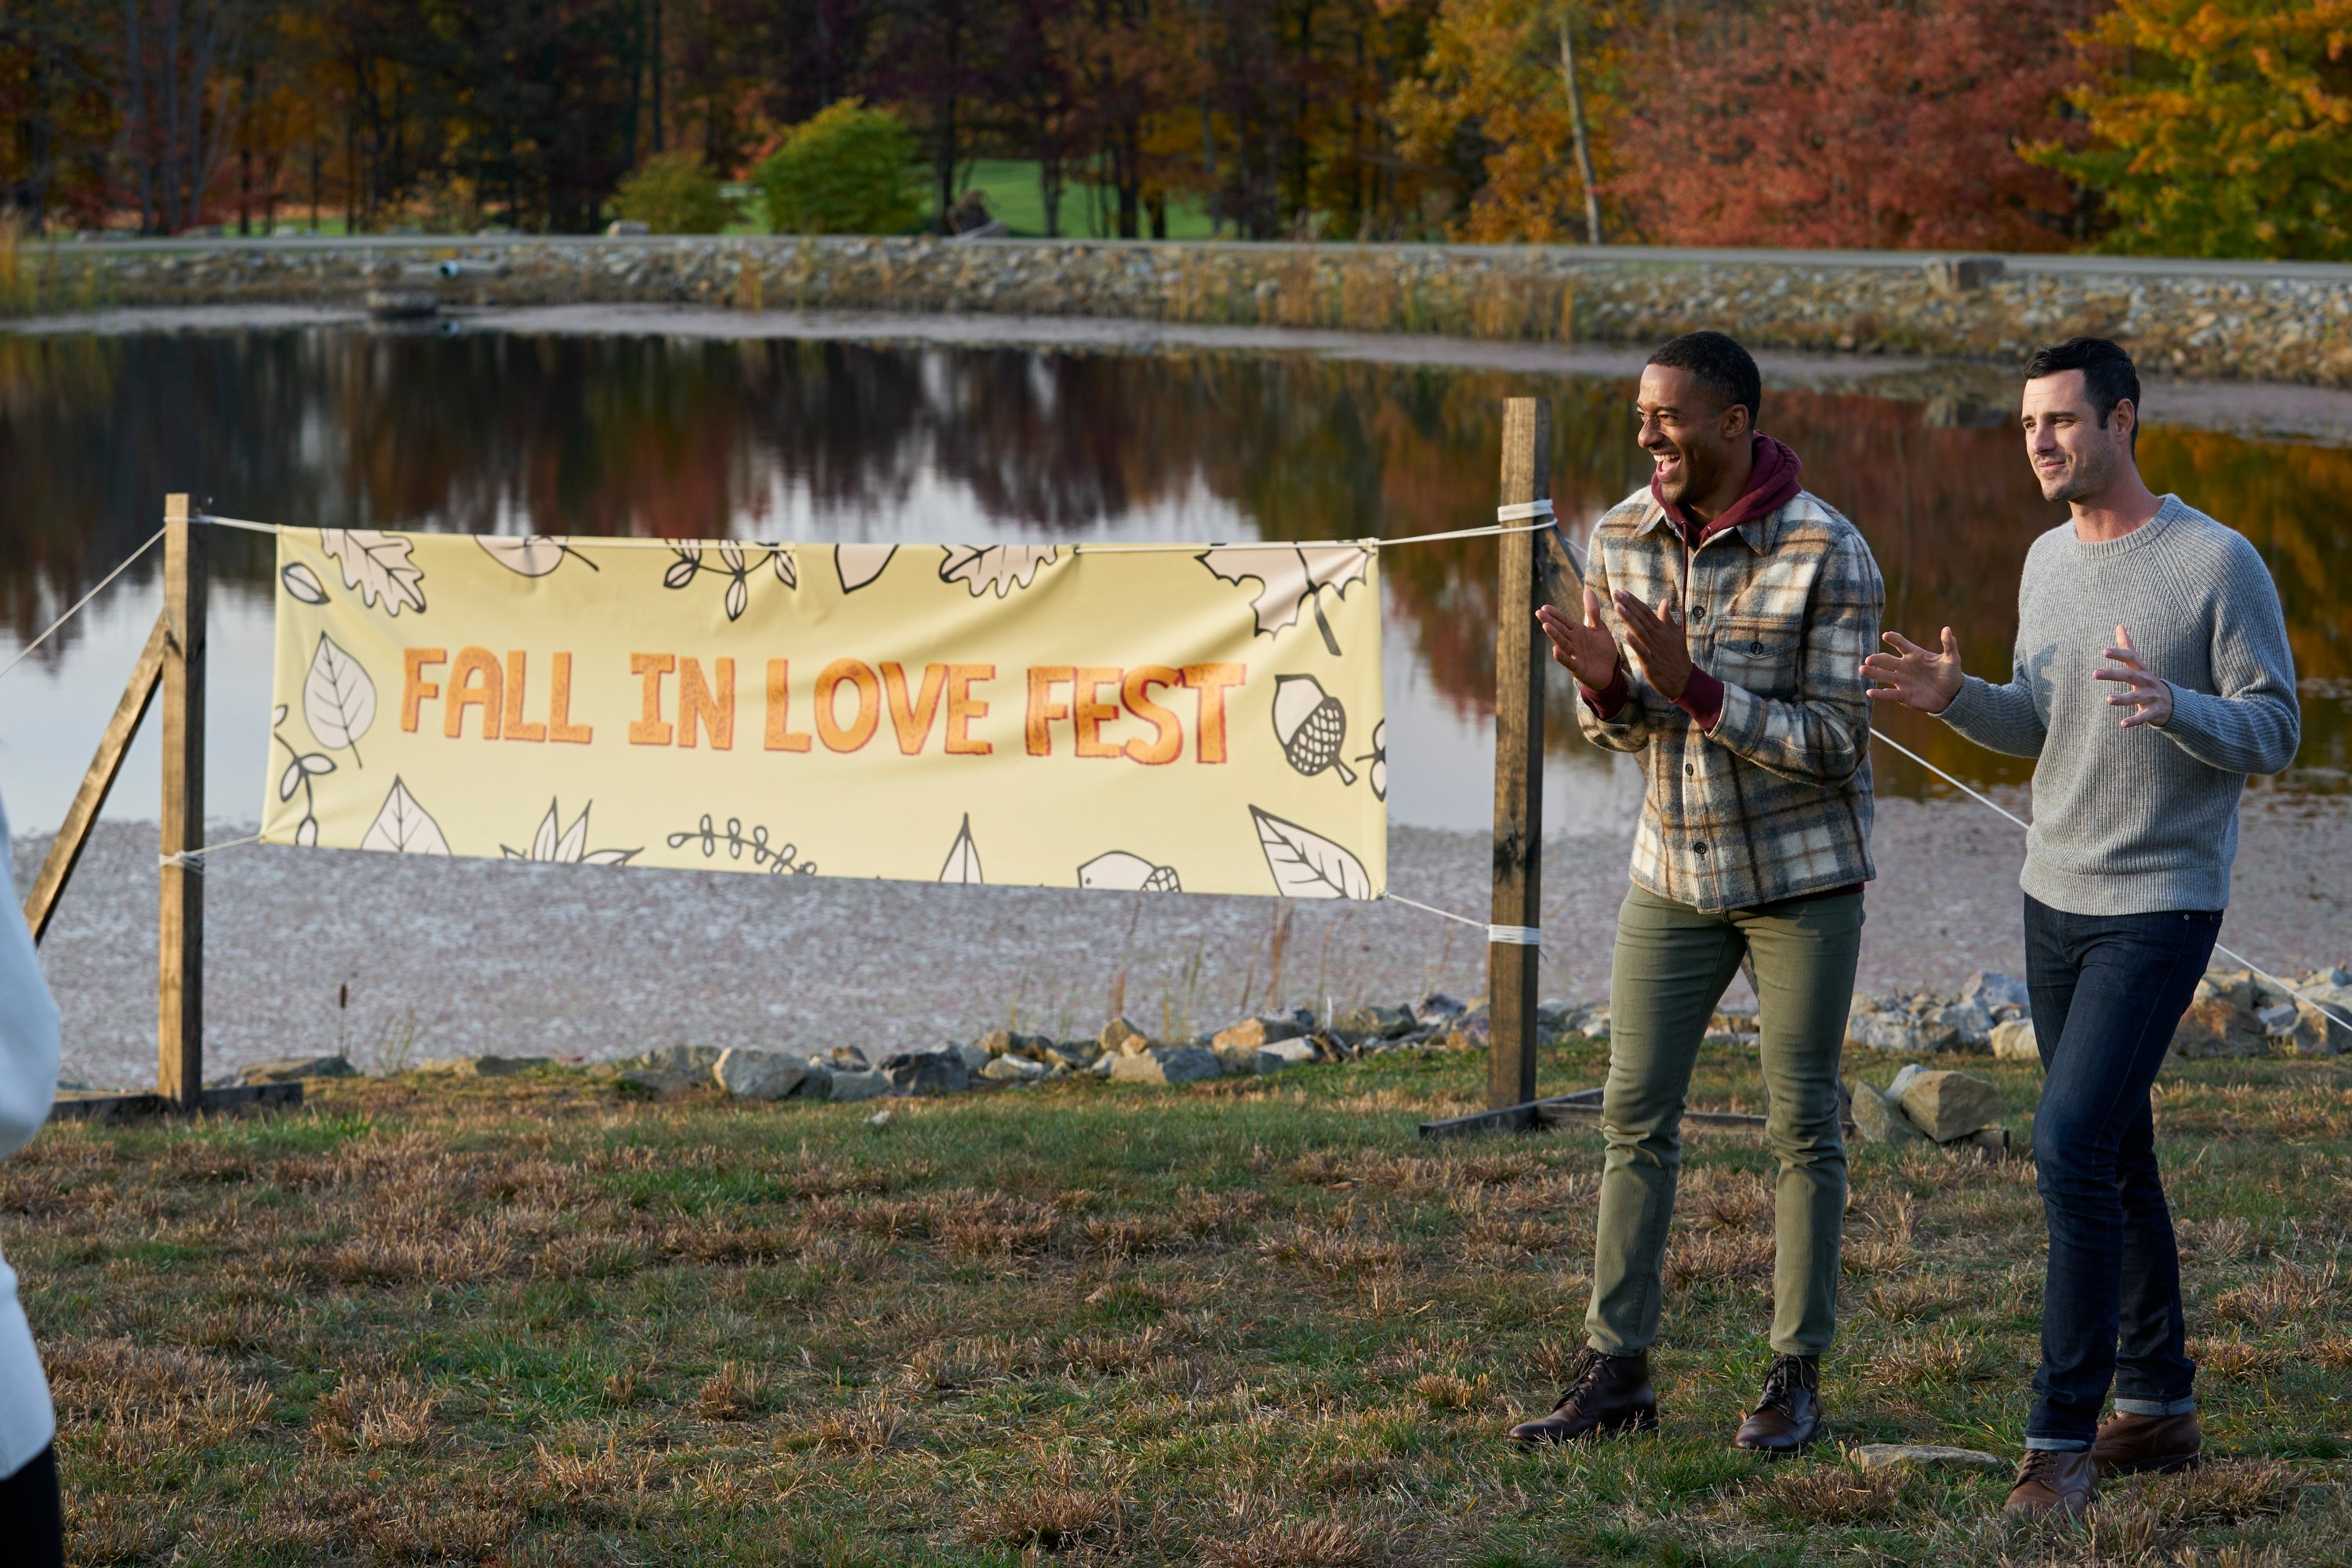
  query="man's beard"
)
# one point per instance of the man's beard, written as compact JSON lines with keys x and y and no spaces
{"x":2087,"y":477}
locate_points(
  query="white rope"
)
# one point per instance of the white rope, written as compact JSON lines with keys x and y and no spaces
{"x":1080,"y":547}
{"x":23,"y":652}
{"x":2227,"y":952}
{"x":1433,"y":910}
{"x":1515,"y":936}
{"x":1521,"y":510}
{"x":192,"y":861}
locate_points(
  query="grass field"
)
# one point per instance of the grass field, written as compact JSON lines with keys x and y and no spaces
{"x":1252,"y":1324}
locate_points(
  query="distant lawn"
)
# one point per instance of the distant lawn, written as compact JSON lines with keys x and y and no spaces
{"x":1010,"y":187}
{"x":1255,"y":1322}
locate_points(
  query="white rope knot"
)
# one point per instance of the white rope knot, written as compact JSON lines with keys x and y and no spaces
{"x":192,"y":861}
{"x":1515,"y":936}
{"x":1523,"y":511}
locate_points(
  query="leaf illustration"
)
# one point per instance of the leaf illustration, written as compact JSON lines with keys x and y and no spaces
{"x":1290,"y":576}
{"x":526,"y":555}
{"x":682,"y":570}
{"x":781,"y":559}
{"x":859,"y":564}
{"x":1128,"y":873}
{"x":1003,"y":567}
{"x":1378,"y":757}
{"x":291,"y":779}
{"x":303,"y":584}
{"x":963,"y":857}
{"x":738,"y":599}
{"x":338,"y":698}
{"x":730,"y":555}
{"x":1307,"y":865}
{"x":377,"y":565}
{"x":307,"y":833}
{"x":278,"y":715}
{"x":404,"y":828}
{"x":557,"y":846}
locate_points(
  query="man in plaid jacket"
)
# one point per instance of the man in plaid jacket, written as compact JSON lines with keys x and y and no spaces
{"x":1726,"y":614}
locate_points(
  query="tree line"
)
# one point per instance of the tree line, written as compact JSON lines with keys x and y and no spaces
{"x":2196,"y":127}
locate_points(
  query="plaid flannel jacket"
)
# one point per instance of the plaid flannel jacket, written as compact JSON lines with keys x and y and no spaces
{"x":1776,"y":800}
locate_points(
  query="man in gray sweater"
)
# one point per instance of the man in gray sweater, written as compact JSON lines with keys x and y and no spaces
{"x":2151,"y":676}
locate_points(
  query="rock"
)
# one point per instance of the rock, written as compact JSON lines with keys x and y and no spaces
{"x":1995,"y":991}
{"x":996,"y":1042}
{"x":1383,"y":1022}
{"x":287,"y":1069}
{"x":1972,"y":1021}
{"x":2014,"y":1042}
{"x":1947,"y":1105}
{"x":1554,"y":1013}
{"x":927,"y":1072}
{"x":748,"y":1074}
{"x":1104,"y":1066}
{"x":1733,"y":1018}
{"x":844,"y":1058}
{"x":1437,"y":1007}
{"x":1252,"y":1033}
{"x":1890,"y":1456}
{"x":975,"y":1057}
{"x":1077,"y":1054}
{"x":677,"y":1058}
{"x":1013,"y":1070}
{"x":1167,"y":1064}
{"x":663,"y":1084}
{"x":2217,"y":1025}
{"x":483,"y":1067}
{"x":1120,"y":1036}
{"x":1592,"y":1021}
{"x":880,"y":1118}
{"x":2316,"y":1034}
{"x":1286,"y":1053}
{"x":403,"y":304}
{"x":1900,"y":1034}
{"x":869,"y":1084}
{"x":1878,"y":1121}
{"x":626,"y":228}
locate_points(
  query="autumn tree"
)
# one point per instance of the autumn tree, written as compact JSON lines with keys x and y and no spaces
{"x":2221,"y":127}
{"x":1851,"y":123}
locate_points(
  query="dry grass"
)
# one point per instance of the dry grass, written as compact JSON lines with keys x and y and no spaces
{"x":532,"y":1322}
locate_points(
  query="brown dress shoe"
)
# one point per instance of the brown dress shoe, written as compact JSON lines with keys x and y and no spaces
{"x":2129,"y":1445}
{"x":1606,"y":1394}
{"x":2054,"y":1484}
{"x":1787,"y":1415}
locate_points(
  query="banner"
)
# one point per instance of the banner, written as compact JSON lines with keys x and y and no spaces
{"x":1204,"y":720}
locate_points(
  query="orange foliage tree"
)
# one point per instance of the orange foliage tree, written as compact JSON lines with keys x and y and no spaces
{"x":2221,"y":127}
{"x":1851,"y":123}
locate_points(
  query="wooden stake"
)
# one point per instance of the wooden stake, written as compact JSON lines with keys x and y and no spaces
{"x":180,"y":1013}
{"x":1520,"y":666}
{"x":65,"y":849}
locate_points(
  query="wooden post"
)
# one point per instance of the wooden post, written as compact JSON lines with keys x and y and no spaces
{"x":180,"y":1012}
{"x":65,"y":849}
{"x":1520,"y":663}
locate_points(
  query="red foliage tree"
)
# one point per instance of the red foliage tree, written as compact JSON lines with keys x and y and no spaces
{"x":1852,"y":123}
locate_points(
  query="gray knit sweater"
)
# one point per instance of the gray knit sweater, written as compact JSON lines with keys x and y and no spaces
{"x":2126,"y":822}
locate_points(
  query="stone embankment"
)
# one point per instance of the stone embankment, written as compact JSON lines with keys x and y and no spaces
{"x":2276,"y":323}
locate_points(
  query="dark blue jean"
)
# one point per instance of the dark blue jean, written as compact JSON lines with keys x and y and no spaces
{"x":2107,"y":992}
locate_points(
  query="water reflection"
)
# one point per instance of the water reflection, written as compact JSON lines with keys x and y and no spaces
{"x":776,"y":439}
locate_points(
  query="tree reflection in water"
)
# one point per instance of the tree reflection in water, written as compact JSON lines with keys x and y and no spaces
{"x":692,"y":438}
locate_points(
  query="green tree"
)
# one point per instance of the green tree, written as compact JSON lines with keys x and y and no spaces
{"x":847,"y":170}
{"x":2221,"y":127}
{"x":676,"y":193}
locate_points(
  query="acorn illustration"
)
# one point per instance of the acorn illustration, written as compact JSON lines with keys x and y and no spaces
{"x":1311,"y":725}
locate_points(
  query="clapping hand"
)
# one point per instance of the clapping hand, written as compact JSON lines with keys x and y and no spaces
{"x":1914,"y":676}
{"x":2148,"y":698}
{"x":1659,"y":642}
{"x":1584,"y":650}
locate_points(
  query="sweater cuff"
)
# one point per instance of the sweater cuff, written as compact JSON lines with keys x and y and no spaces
{"x":1701,"y":699}
{"x":1610,"y":700}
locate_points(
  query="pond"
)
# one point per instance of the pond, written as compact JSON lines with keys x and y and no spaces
{"x":695,"y":435}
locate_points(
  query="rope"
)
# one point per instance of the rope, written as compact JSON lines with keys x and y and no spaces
{"x":1107,"y":547}
{"x":2225,"y":950}
{"x":26,"y":651}
{"x":1510,"y":936}
{"x":192,"y":861}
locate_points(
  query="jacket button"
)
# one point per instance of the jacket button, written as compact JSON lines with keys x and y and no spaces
{"x":1689,"y":770}
{"x":1756,"y":648}
{"x":1699,"y":848}
{"x":1698,"y":612}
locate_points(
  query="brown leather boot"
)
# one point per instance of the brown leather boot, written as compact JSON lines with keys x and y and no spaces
{"x":1787,"y":1415}
{"x":2129,"y":1445}
{"x":1606,"y":1394}
{"x":2054,"y":1484}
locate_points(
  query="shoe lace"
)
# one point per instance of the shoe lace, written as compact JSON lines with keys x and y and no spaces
{"x":2038,"y":1463}
{"x":1581,"y":1373}
{"x":1781,"y":1382}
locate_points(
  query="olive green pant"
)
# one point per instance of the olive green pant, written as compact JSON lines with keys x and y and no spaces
{"x":1672,"y":966}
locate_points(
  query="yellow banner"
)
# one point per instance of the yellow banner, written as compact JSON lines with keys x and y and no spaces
{"x":1206,"y":720}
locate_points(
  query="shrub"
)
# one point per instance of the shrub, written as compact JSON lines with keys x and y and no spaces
{"x":676,"y":193}
{"x":847,"y":170}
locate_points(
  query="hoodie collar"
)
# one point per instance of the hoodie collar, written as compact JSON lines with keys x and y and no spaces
{"x":1772,"y":483}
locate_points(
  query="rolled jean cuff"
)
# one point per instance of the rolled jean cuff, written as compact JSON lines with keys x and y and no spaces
{"x":2057,"y":1445}
{"x":2157,"y":1406}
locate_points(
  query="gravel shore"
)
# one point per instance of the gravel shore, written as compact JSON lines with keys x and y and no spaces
{"x":387,"y":958}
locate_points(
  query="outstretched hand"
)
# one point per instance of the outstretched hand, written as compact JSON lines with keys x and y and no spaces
{"x":1659,"y":641}
{"x":2148,"y":698}
{"x":1585,"y":649}
{"x":1914,"y":676}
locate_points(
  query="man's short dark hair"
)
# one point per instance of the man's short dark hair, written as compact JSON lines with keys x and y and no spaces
{"x":2107,"y":373}
{"x":1721,"y":364}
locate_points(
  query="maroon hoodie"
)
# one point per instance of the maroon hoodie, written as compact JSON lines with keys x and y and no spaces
{"x":1772,"y":483}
